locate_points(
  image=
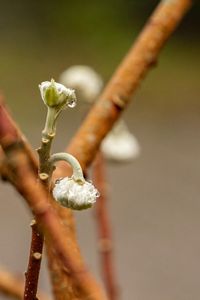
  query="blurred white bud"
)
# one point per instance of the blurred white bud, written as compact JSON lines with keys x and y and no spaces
{"x":120,"y":145}
{"x":56,"y":95}
{"x":72,"y":194}
{"x":84,"y":80}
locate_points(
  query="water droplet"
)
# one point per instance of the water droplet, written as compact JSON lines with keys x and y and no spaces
{"x":97,"y":194}
{"x":58,"y":180}
{"x":71,"y":103}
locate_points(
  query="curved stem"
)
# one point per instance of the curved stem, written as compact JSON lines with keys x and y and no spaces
{"x":70,"y":159}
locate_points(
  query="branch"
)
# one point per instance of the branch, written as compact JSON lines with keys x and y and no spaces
{"x":80,"y":282}
{"x":117,"y":94}
{"x":33,"y":270}
{"x":104,"y":229}
{"x":12,"y":286}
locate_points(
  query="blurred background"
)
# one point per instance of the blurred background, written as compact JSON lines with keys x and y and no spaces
{"x":154,"y":201}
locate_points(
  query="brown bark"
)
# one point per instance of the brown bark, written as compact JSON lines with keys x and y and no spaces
{"x":104,"y":229}
{"x":35,"y":257}
{"x":11,"y":133}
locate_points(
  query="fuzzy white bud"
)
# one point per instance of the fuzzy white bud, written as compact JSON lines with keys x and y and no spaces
{"x":56,"y":95}
{"x":72,"y":194}
{"x":120,"y":145}
{"x":85,"y":80}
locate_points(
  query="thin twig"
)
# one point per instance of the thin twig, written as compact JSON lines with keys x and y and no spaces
{"x":33,"y":270}
{"x":35,"y":256}
{"x":12,"y":286}
{"x":104,"y":229}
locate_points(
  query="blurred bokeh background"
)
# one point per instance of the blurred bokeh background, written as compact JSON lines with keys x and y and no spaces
{"x":154,"y":201}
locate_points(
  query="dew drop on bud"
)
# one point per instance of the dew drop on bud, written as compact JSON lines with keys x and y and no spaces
{"x":58,"y":180}
{"x":71,"y":103}
{"x":98,"y":194}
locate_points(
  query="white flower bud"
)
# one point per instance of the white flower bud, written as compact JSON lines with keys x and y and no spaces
{"x":84,"y":80}
{"x":120,"y":145}
{"x":57,"y":95}
{"x":72,"y":194}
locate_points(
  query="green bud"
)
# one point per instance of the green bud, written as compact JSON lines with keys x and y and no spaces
{"x":56,"y":95}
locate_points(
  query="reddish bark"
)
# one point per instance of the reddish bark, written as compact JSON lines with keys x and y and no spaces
{"x":104,"y":229}
{"x":35,"y":257}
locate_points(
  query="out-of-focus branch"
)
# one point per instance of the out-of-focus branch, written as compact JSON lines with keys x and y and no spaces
{"x":104,"y":229}
{"x":14,"y":134}
{"x":12,"y":286}
{"x":123,"y":84}
{"x":10,"y":134}
{"x":4,"y":171}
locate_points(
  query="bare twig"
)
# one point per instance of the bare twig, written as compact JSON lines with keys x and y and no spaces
{"x":12,"y":286}
{"x":33,"y":270}
{"x":104,"y":229}
{"x":44,"y":174}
